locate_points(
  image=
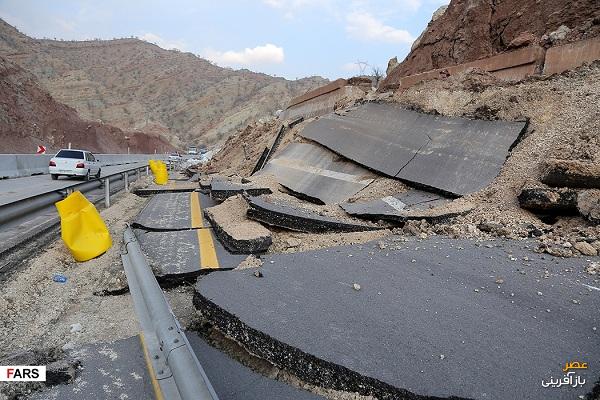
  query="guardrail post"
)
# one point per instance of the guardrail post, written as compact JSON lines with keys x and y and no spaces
{"x":126,"y":179}
{"x":106,"y":192}
{"x":147,"y":172}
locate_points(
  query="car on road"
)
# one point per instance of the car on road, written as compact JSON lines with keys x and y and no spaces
{"x":72,"y":162}
{"x":192,"y":150}
{"x":175,"y":157}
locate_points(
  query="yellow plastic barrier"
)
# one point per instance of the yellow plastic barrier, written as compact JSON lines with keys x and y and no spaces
{"x":159,"y":170}
{"x":82,"y":228}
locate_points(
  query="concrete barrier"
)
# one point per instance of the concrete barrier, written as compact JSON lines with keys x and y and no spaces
{"x":19,"y":165}
{"x":514,"y":65}
{"x":571,"y":55}
{"x":320,"y":105}
{"x":330,"y":87}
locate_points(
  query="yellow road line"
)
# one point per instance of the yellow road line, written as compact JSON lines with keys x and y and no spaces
{"x":208,"y":254}
{"x":157,"y":392}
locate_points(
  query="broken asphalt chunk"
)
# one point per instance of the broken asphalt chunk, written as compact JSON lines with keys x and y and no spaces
{"x":221,"y":190}
{"x":543,"y":199}
{"x":284,"y":215}
{"x":412,"y":205}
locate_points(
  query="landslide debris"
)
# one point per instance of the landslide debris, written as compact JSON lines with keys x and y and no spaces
{"x":564,"y":124}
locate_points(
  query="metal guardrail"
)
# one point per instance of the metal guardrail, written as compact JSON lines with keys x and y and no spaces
{"x":19,"y":208}
{"x":20,"y":165}
{"x":176,"y":372}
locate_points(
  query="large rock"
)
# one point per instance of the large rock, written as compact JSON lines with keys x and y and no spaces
{"x":524,"y":39}
{"x":586,"y":249}
{"x":570,"y":173}
{"x":588,"y":205}
{"x":392,"y":63}
{"x":544,"y":200}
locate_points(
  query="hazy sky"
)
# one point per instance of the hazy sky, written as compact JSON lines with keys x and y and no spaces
{"x":290,"y":38}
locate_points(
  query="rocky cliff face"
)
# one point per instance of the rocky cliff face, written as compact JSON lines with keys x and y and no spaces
{"x":29,"y":116}
{"x":472,"y":29}
{"x":132,"y":84}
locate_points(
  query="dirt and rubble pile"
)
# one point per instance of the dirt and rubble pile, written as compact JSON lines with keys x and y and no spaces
{"x":30,"y":116}
{"x":242,"y":150}
{"x":468,"y":30}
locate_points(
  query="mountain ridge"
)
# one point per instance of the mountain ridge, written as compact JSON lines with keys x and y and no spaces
{"x":136,"y":85}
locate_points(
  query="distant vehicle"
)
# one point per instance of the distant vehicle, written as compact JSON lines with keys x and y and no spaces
{"x":192,"y":150}
{"x":70,"y":162}
{"x":174,"y":157}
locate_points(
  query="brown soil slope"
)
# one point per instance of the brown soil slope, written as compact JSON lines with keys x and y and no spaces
{"x":29,"y":116}
{"x":130,"y":83}
{"x":473,"y":29}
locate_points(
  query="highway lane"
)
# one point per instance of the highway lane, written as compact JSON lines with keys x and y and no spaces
{"x":437,"y":317}
{"x":17,"y":189}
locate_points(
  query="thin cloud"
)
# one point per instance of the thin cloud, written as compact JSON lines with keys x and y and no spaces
{"x":161,"y":42}
{"x":364,"y":26}
{"x":259,"y":55}
{"x":291,"y":8}
{"x":292,"y":4}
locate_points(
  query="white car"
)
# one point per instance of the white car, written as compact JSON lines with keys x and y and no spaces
{"x":71,"y":162}
{"x":175,"y":157}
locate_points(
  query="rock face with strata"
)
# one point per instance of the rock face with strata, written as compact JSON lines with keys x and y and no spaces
{"x":570,"y":173}
{"x":472,"y":29}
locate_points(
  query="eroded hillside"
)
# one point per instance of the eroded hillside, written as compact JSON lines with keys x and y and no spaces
{"x":133,"y":84}
{"x":29,"y":116}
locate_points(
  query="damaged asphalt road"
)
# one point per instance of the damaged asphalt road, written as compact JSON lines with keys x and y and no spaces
{"x":452,"y":155}
{"x":177,"y":240}
{"x":118,"y":370}
{"x":439,"y":317}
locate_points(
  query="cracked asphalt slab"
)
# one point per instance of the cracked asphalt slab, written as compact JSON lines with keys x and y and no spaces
{"x":285,"y":215}
{"x":177,"y":241}
{"x":118,"y":370}
{"x":178,"y":255}
{"x":314,"y":172}
{"x":170,"y":211}
{"x":114,"y":370}
{"x":453,"y":155}
{"x":439,"y":317}
{"x":394,"y":208}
